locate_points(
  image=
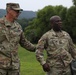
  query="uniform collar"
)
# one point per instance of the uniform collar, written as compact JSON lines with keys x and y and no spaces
{"x":55,"y":33}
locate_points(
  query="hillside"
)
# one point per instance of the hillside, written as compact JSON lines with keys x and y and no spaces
{"x":24,"y":14}
{"x":27,"y":14}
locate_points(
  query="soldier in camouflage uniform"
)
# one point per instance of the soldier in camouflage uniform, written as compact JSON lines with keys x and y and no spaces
{"x":11,"y":35}
{"x":59,"y":48}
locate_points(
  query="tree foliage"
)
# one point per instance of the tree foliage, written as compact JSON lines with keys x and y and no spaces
{"x":74,"y":2}
{"x":70,"y":23}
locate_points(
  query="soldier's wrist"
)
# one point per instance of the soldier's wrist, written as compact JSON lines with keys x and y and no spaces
{"x":42,"y":63}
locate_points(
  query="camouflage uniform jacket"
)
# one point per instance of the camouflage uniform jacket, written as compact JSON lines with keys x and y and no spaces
{"x":11,"y":35}
{"x":59,"y":47}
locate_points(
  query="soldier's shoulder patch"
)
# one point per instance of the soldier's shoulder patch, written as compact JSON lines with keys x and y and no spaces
{"x":39,"y":41}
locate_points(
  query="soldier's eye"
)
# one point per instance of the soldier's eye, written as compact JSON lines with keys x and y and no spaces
{"x":58,"y":21}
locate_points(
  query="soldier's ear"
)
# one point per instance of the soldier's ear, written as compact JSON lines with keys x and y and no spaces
{"x":52,"y":22}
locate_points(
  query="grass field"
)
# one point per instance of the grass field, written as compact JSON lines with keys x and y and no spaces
{"x":29,"y":64}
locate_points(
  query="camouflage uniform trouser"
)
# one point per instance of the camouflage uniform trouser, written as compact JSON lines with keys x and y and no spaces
{"x":59,"y":71}
{"x":9,"y":72}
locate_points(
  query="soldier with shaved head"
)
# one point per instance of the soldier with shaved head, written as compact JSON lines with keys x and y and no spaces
{"x":59,"y":48}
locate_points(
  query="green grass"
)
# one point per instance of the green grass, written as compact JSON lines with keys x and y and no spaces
{"x":29,"y":64}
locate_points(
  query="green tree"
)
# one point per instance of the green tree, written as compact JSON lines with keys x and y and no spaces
{"x":74,"y":2}
{"x":62,"y":14}
{"x":43,"y":17}
{"x":31,"y":32}
{"x":58,"y":9}
{"x":70,"y":23}
{"x":24,"y":22}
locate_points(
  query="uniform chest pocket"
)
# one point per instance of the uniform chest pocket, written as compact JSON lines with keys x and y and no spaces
{"x":53,"y":42}
{"x":15,"y":34}
{"x":14,"y":31}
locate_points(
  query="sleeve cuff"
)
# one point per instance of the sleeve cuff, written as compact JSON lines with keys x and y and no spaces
{"x":42,"y":63}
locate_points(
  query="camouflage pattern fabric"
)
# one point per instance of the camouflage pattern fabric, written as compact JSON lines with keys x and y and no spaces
{"x":59,"y":71}
{"x":11,"y":35}
{"x":9,"y":72}
{"x":58,"y":46}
